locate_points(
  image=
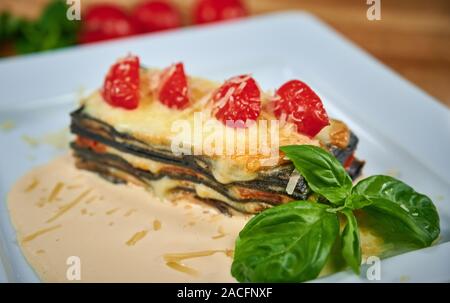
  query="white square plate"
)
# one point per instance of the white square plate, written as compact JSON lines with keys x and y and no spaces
{"x":399,"y":126}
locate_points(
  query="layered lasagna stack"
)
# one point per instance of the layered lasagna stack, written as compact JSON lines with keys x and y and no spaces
{"x":134,"y":143}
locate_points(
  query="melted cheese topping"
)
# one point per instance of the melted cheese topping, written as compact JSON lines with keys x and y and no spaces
{"x":153,"y":121}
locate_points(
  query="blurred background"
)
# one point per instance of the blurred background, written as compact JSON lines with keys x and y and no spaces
{"x":412,"y":37}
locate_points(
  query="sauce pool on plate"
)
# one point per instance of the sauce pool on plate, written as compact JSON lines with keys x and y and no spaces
{"x":120,"y":233}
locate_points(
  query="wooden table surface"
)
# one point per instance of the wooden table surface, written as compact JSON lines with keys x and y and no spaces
{"x":412,"y":37}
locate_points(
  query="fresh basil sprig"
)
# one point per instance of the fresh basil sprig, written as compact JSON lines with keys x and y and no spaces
{"x":285,"y":243}
{"x":292,"y":242}
{"x":324,"y":174}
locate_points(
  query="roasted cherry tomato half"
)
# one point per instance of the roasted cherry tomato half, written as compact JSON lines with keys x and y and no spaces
{"x":237,"y":100}
{"x":206,"y":11}
{"x":173,"y":88}
{"x":298,"y":103}
{"x":154,"y":16}
{"x":105,"y":21}
{"x":121,"y":85}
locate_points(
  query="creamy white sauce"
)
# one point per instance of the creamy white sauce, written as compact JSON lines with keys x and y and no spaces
{"x":119,"y":232}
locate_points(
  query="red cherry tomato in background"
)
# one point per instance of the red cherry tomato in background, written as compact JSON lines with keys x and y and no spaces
{"x":300,"y":105}
{"x":156,"y":16}
{"x":206,"y":11}
{"x":121,"y":86}
{"x":105,"y":21}
{"x":238,"y":99}
{"x":173,"y":89}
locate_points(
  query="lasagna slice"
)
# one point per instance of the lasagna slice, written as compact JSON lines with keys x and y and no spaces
{"x":186,"y":137}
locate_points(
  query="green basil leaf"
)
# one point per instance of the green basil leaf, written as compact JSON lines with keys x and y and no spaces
{"x":323,"y":172}
{"x":402,"y":213}
{"x":351,"y":248}
{"x":287,"y":243}
{"x":355,"y":201}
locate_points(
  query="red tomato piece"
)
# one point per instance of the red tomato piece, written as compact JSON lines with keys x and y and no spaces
{"x":299,"y":104}
{"x":121,"y":85}
{"x":173,"y":88}
{"x":216,"y":10}
{"x":154,"y":16}
{"x":105,"y":21}
{"x":238,"y":99}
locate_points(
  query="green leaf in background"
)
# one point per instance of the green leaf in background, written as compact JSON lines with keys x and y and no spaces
{"x":52,"y":30}
{"x":397,"y":211}
{"x":323,"y":172}
{"x":9,"y":26}
{"x":351,"y":247}
{"x":287,"y":243}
